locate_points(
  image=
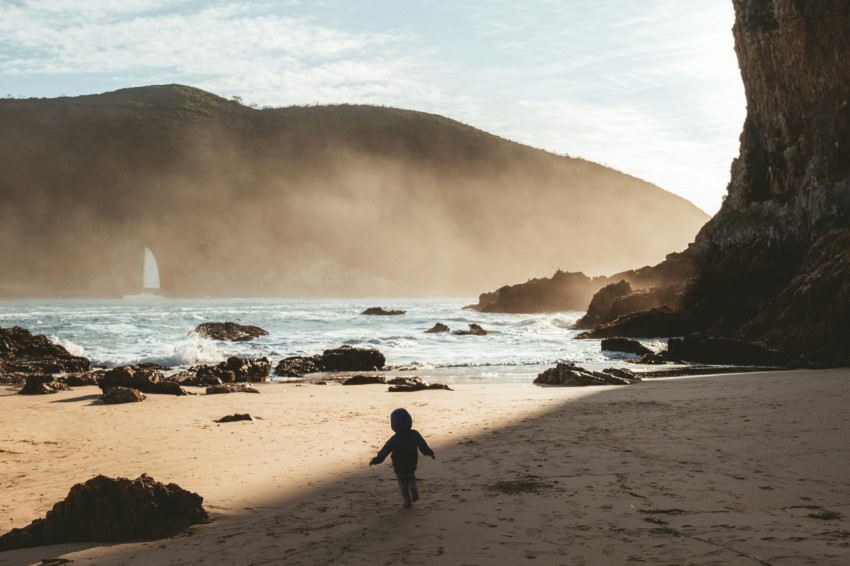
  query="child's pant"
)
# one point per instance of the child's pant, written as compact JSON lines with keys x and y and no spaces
{"x":406,"y":483}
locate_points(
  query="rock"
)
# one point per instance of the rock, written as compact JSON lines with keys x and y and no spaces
{"x":437,"y":328}
{"x":346,"y":358}
{"x":41,"y":385}
{"x":574,"y":376}
{"x":655,"y":323}
{"x":630,"y":302}
{"x":231,"y":388}
{"x":564,"y":291}
{"x":84,"y":379}
{"x":235,"y":369}
{"x":364,"y":380}
{"x":600,"y":304}
{"x":298,"y":366}
{"x":652,"y":358}
{"x":23,"y":352}
{"x":112,"y":510}
{"x":145,"y":380}
{"x":624,"y":345}
{"x":116,"y":395}
{"x":622,"y":373}
{"x":192,"y":379}
{"x":235,"y":417}
{"x":379,"y":311}
{"x":474,"y":330}
{"x":408,"y":384}
{"x":229,"y":331}
{"x":719,"y":350}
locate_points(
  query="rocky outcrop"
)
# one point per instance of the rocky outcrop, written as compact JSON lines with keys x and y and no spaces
{"x":772,"y":265}
{"x":235,"y":369}
{"x":380,"y":311}
{"x":42,"y":384}
{"x":573,"y":376}
{"x":107,"y":509}
{"x":614,"y":301}
{"x":117,"y":395}
{"x":474,"y":330}
{"x":624,"y":345}
{"x":437,"y":329}
{"x":656,"y":323}
{"x":23,"y":352}
{"x":712,"y":350}
{"x":344,"y":358}
{"x":144,"y":380}
{"x":564,"y":291}
{"x":229,"y":331}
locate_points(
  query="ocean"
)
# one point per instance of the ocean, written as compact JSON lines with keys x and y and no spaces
{"x":117,"y":332}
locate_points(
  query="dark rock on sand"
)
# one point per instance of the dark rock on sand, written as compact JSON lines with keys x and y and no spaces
{"x":364,"y":380}
{"x":236,"y":369}
{"x":380,"y":311}
{"x":112,"y":510}
{"x":41,"y":385}
{"x":624,"y":345}
{"x":231,"y":388}
{"x":229,"y":331}
{"x":574,"y":376}
{"x":653,"y":358}
{"x":84,"y":379}
{"x":346,"y":358}
{"x":474,"y":330}
{"x":235,"y":417}
{"x":408,"y":384}
{"x":716,"y":350}
{"x":145,"y":380}
{"x":23,"y":352}
{"x":192,"y":379}
{"x":437,"y":328}
{"x":117,"y":395}
{"x":298,"y":366}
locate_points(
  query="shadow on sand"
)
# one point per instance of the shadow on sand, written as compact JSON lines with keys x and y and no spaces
{"x":713,"y":470}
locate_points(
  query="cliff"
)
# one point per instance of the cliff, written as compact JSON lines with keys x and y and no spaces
{"x":773,"y":264}
{"x":327,"y":200}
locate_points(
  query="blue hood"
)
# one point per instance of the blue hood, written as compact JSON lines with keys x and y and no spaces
{"x":400,"y":420}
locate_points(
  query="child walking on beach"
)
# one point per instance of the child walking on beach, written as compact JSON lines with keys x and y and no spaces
{"x":404,"y":446}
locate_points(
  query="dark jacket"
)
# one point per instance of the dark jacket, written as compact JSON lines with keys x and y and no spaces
{"x":404,"y":445}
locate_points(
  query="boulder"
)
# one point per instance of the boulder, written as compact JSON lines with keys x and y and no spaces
{"x":474,"y":330}
{"x":298,"y":366}
{"x":84,"y":379}
{"x":229,"y":331}
{"x":437,"y":328}
{"x":41,"y":385}
{"x":624,"y":345}
{"x":364,"y":380}
{"x":23,"y":352}
{"x":574,"y":376}
{"x":346,"y":358}
{"x":107,"y":509}
{"x":145,"y":380}
{"x":651,"y":358}
{"x":380,"y":311}
{"x":117,"y":395}
{"x":236,"y":369}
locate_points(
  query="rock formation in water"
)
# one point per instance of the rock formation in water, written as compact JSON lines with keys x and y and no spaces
{"x":774,"y":264}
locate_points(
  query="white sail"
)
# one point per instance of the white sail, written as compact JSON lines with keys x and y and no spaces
{"x":150,"y":281}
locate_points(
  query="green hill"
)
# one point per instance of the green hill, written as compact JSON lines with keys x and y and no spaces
{"x":330,"y":200}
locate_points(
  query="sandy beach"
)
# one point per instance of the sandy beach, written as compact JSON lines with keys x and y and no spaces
{"x":727,"y":469}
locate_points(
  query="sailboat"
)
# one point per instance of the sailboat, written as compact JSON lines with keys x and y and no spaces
{"x":150,"y":279}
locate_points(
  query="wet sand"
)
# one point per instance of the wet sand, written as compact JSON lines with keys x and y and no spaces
{"x":726,"y":469}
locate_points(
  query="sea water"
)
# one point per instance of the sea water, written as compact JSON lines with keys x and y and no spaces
{"x":116,"y":332}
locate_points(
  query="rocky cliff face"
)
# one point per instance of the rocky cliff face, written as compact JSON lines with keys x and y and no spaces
{"x":772,"y":265}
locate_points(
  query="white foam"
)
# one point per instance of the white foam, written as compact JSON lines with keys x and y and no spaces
{"x":73,"y":349}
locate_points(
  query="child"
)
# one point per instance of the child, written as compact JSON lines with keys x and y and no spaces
{"x":404,"y":446}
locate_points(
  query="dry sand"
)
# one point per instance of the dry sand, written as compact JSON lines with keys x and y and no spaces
{"x":728,"y":469}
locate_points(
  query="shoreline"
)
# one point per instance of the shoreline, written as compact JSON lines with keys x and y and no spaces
{"x":565,"y":475}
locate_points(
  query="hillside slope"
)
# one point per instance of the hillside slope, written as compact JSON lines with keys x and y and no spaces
{"x":335,"y":200}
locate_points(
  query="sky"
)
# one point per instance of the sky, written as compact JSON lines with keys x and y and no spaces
{"x":648,"y":87}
